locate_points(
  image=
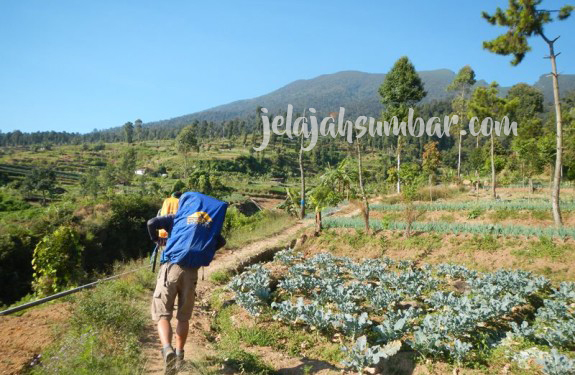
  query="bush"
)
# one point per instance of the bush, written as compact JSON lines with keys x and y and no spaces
{"x":11,"y":203}
{"x":57,"y":262}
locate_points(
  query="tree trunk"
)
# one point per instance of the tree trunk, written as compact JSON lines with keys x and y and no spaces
{"x":318,"y":223}
{"x":459,"y":158}
{"x":302,"y":176}
{"x":493,"y":191}
{"x":398,"y":163}
{"x":430,"y":188}
{"x":362,"y":190}
{"x":476,"y":185}
{"x":559,"y":155}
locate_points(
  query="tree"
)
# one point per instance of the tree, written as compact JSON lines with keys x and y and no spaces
{"x":42,"y":180}
{"x":127,"y":167}
{"x":90,"y":183}
{"x":528,"y":114}
{"x":365,"y":206}
{"x":525,"y":19}
{"x":139,"y":134}
{"x":410,"y":174}
{"x":401,"y":89}
{"x":129,"y":132}
{"x":186,"y":142}
{"x":323,"y":196}
{"x":302,"y":180}
{"x":431,"y":162}
{"x":485,"y":103}
{"x":461,"y":84}
{"x":57,"y":261}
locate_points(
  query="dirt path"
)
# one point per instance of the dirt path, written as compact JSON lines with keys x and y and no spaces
{"x":197,"y":345}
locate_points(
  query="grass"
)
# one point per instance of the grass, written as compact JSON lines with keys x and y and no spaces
{"x":221,"y":277}
{"x":104,"y":332}
{"x":268,"y":224}
{"x":544,"y":248}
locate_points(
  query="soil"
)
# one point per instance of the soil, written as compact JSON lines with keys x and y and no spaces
{"x":24,"y":337}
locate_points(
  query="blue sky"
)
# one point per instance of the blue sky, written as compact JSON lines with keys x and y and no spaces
{"x":79,"y":65}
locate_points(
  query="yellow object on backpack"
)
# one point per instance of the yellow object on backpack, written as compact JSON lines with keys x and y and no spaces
{"x":169,"y":207}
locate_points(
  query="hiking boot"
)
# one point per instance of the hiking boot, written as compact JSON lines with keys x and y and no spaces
{"x":169,"y":361}
{"x":180,"y":363}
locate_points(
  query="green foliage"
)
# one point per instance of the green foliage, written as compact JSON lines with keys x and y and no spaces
{"x":455,"y":228}
{"x":129,"y":131}
{"x":475,"y":213}
{"x":90,"y":182}
{"x":57,"y":261}
{"x":402,"y":85}
{"x":486,"y":242}
{"x":11,"y":203}
{"x":41,"y":180}
{"x":112,"y":307}
{"x":107,"y":326}
{"x":544,"y":248}
{"x":479,"y":207}
{"x":410,"y":176}
{"x":127,"y":166}
{"x":524,"y":19}
{"x":187,"y":141}
{"x":208,"y":183}
{"x":221,"y":277}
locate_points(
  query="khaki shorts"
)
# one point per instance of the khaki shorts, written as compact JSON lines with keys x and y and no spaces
{"x":174,"y":280}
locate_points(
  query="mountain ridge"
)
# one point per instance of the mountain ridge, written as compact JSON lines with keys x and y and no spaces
{"x":352,"y":89}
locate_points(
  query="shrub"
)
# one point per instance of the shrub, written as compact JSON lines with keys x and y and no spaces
{"x":57,"y":261}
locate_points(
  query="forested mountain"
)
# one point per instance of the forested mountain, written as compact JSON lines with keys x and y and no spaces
{"x":353,"y":90}
{"x":356,"y":91}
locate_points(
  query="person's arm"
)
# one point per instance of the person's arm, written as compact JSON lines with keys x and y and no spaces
{"x":160,"y":222}
{"x":221,"y":242}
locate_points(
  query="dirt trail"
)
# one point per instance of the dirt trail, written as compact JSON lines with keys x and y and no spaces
{"x":197,"y":345}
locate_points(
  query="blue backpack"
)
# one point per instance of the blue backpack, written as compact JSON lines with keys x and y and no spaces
{"x":194,"y":236}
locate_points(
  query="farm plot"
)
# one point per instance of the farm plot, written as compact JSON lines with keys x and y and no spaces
{"x":455,"y":228}
{"x":445,"y":313}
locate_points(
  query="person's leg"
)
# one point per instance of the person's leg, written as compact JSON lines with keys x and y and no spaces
{"x":186,"y":299}
{"x":165,"y":331}
{"x":182,"y":329}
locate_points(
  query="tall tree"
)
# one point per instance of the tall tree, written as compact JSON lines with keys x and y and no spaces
{"x":525,"y":19}
{"x":461,"y":84}
{"x":127,"y":167}
{"x":485,"y":103}
{"x":302,"y":179}
{"x":528,"y":114}
{"x":129,"y":132}
{"x":401,"y":89}
{"x":138,"y":124}
{"x":186,"y":142}
{"x":431,"y":162}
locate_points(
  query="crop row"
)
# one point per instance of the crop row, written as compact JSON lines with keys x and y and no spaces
{"x":382,"y":306}
{"x":455,"y":228}
{"x":481,"y":205}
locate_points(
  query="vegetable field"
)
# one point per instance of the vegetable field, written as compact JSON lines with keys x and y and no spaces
{"x":455,"y":228}
{"x":447,"y":312}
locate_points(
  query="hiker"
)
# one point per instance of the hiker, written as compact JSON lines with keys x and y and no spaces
{"x":194,"y":236}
